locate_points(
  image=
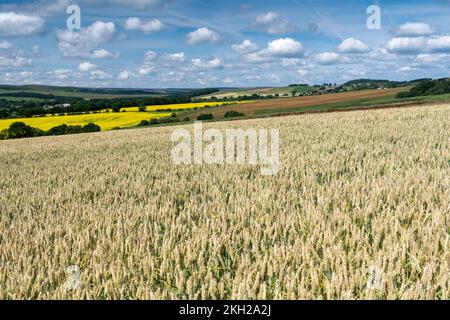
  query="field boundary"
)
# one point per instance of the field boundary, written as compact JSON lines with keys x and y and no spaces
{"x":306,"y":113}
{"x":352,"y":109}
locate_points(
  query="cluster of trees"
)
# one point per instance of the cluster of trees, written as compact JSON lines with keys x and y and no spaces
{"x":65,"y":129}
{"x":254,"y":96}
{"x":172,"y":119}
{"x":30,"y":108}
{"x":234,"y":114}
{"x":205,"y":117}
{"x":18,"y":130}
{"x":364,"y":84}
{"x":154,"y":122}
{"x":4,"y":108}
{"x":299,"y":85}
{"x":428,"y":88}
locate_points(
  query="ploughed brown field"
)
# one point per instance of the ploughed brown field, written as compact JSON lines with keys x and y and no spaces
{"x":298,"y":102}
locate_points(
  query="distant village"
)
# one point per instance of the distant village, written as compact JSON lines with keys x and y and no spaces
{"x":59,"y":106}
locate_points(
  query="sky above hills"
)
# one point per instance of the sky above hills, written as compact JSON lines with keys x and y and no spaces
{"x":192,"y":43}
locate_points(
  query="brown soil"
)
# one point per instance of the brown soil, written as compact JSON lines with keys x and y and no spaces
{"x":286,"y":103}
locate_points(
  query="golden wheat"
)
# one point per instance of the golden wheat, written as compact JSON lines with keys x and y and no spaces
{"x":356,"y":192}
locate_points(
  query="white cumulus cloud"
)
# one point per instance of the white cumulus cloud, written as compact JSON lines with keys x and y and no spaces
{"x":211,"y":64}
{"x":103,"y":54}
{"x":439,"y":44}
{"x":284,"y":47}
{"x":60,"y":74}
{"x":146,"y":27}
{"x":418,"y":45}
{"x":150,"y":56}
{"x":290,"y":62}
{"x":145,"y":70}
{"x":86,"y":67}
{"x":431,"y":58}
{"x":272,"y":23}
{"x":4,"y":45}
{"x":416,"y":29}
{"x":327,"y":58}
{"x":176,"y":57}
{"x":246,"y":46}
{"x":124,"y":75}
{"x":202,"y":35}
{"x":406,"y":45}
{"x":352,"y":45}
{"x":146,"y":67}
{"x":14,"y":24}
{"x":99,"y":75}
{"x":406,"y":69}
{"x":16,"y":62}
{"x":84,"y":43}
{"x":280,"y":48}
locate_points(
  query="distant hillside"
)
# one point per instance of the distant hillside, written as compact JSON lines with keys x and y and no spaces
{"x":256,"y":93}
{"x":428,"y":87}
{"x":364,"y":84}
{"x":87,"y":90}
{"x":28,"y":101}
{"x":41,"y":91}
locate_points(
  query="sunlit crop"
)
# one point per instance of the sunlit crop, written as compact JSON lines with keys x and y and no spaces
{"x":185,"y":106}
{"x":106,"y":121}
{"x":360,"y":209}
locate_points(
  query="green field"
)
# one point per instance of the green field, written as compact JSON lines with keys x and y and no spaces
{"x":19,"y":99}
{"x":264,"y":91}
{"x":88,"y":93}
{"x":62,"y":93}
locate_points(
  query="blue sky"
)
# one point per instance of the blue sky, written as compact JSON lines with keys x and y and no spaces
{"x":191,"y":43}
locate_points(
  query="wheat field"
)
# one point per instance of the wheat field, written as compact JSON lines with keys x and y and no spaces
{"x":360,"y":209}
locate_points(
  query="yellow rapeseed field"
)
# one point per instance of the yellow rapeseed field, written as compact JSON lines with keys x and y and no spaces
{"x":106,"y":121}
{"x":360,"y":209}
{"x":109,"y":120}
{"x":185,"y":106}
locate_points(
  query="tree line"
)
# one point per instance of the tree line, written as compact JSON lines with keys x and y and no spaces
{"x":19,"y":130}
{"x":428,"y":88}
